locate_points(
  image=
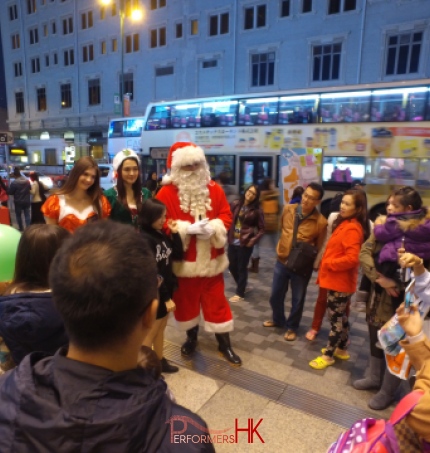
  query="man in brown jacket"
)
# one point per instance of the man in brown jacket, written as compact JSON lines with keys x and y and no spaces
{"x":312,"y":229}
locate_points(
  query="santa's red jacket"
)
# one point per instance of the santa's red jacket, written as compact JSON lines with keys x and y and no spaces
{"x":202,"y":257}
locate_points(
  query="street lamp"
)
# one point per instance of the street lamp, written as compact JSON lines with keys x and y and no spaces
{"x":135,"y":14}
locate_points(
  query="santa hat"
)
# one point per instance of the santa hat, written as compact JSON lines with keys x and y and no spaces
{"x":184,"y":153}
{"x":122,"y":156}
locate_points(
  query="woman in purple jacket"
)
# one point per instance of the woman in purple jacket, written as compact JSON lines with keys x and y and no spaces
{"x":407,"y":226}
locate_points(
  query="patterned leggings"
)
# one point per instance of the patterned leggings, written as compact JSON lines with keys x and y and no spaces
{"x":336,"y":311}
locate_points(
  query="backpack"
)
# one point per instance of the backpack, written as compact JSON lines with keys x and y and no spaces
{"x":376,"y":436}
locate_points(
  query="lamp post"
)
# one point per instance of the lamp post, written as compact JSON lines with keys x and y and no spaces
{"x":135,"y":14}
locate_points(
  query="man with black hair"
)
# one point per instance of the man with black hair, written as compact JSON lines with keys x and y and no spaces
{"x":93,"y":396}
{"x":20,"y":190}
{"x":311,"y":228}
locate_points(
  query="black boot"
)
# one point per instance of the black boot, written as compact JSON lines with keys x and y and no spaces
{"x":225,"y":348}
{"x":190,"y":345}
{"x":167,"y":367}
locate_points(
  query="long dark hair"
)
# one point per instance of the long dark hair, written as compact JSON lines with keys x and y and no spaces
{"x":256,"y":202}
{"x":136,"y":187}
{"x":36,"y":249}
{"x":150,"y":211}
{"x":360,"y":203}
{"x":94,"y":192}
{"x":409,"y":197}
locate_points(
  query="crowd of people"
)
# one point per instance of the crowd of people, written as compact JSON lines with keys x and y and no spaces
{"x":90,"y":299}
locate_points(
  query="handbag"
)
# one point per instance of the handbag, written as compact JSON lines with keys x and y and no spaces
{"x":302,"y":254}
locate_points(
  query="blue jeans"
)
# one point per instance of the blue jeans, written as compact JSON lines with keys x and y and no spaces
{"x":299,"y":285}
{"x":22,"y":208}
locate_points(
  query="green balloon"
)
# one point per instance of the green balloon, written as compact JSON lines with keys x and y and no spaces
{"x":9,"y":239}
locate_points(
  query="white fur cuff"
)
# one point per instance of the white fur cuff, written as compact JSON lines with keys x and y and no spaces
{"x":219,"y":238}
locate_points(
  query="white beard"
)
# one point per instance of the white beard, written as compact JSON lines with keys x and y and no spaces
{"x":193,"y":191}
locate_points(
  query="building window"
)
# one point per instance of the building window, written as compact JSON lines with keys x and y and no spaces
{"x":209,"y":64}
{"x":69,"y":57}
{"x":41,"y":99}
{"x":13,"y":12}
{"x":94,"y":92}
{"x":194,"y":27}
{"x":263,"y":69}
{"x":47,"y":61}
{"x":285,"y":8}
{"x":336,"y":6}
{"x":403,"y":53}
{"x":255,"y":17}
{"x":113,"y":9}
{"x":179,"y":31}
{"x":155,"y":4}
{"x":54,"y":27}
{"x":55,"y":55}
{"x":306,"y":6}
{"x":103,"y":49}
{"x":34,"y":35}
{"x":67,"y":25}
{"x":66,"y":95}
{"x":19,"y":102}
{"x":218,"y":24}
{"x":167,"y":70}
{"x":114,"y":45}
{"x":17,"y":69}
{"x":35,"y":65}
{"x":31,"y":6}
{"x":45,"y":30}
{"x":326,"y":62}
{"x":87,"y":53}
{"x":132,"y":43}
{"x":158,"y":37}
{"x":128,"y":87}
{"x":16,"y":42}
{"x":86,"y":20}
{"x":102,"y":13}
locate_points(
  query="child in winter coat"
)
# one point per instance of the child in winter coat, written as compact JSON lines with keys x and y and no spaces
{"x":407,"y":226}
{"x":165,"y":248}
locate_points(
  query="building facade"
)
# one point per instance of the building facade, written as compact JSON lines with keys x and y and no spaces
{"x":64,"y":61}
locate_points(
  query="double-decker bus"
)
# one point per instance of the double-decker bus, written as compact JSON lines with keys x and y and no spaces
{"x":378,"y":133}
{"x":125,"y":133}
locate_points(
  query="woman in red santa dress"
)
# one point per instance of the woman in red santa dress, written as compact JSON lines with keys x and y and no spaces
{"x":203,"y":218}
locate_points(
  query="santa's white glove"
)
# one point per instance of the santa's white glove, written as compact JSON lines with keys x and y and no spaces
{"x":198,"y":227}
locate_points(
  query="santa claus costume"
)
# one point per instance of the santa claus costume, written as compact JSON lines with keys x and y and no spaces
{"x":203,"y":217}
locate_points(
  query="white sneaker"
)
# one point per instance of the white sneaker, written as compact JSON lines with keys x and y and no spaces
{"x":236,"y":298}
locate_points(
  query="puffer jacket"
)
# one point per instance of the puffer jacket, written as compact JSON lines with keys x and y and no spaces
{"x":56,"y":404}
{"x":30,"y":322}
{"x":252,"y":227}
{"x":20,"y":190}
{"x":413,"y":226}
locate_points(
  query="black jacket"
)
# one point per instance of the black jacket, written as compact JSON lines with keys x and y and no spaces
{"x":165,"y":250}
{"x":30,"y":322}
{"x":20,"y":189}
{"x":56,"y":404}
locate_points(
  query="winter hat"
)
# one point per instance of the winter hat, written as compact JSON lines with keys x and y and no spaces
{"x":122,"y":156}
{"x":184,"y":153}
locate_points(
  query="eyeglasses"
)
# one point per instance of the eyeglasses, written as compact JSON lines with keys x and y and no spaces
{"x":307,"y":197}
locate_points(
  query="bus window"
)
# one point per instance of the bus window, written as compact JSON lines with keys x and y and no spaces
{"x":159,"y":118}
{"x":298,"y":109}
{"x":350,"y":107}
{"x":185,"y":115}
{"x":219,"y":113}
{"x":222,"y":165}
{"x":259,"y":111}
{"x":398,"y":104}
{"x":133,"y":127}
{"x":116,"y":129}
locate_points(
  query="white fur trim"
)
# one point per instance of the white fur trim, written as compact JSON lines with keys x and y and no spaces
{"x":222,"y":327}
{"x":187,"y":325}
{"x":200,"y":268}
{"x":166,"y":180}
{"x":182,"y":230}
{"x":187,"y":155}
{"x":219,"y":239}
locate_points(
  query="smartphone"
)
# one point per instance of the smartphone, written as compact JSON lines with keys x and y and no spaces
{"x":409,"y":295}
{"x":403,"y":269}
